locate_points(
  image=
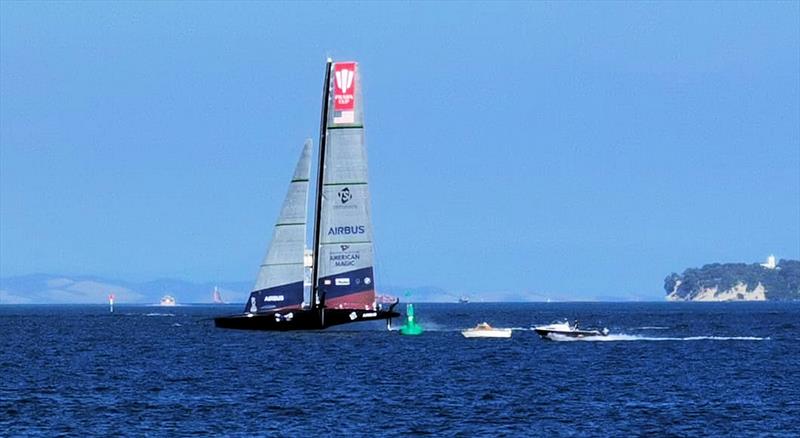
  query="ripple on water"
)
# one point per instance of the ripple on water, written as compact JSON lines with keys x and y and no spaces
{"x":84,"y":373}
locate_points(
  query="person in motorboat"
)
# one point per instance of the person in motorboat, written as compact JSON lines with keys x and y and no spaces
{"x":568,"y":330}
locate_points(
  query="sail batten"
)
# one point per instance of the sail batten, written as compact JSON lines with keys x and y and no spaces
{"x":279,"y":283}
{"x":356,"y":183}
{"x":337,"y":243}
{"x":347,"y":127}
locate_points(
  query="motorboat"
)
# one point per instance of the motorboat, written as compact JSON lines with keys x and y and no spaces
{"x":167,"y":300}
{"x":567,"y":329}
{"x":484,"y":330}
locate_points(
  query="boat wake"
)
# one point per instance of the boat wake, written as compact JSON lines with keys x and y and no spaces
{"x":443,"y":329}
{"x":622,"y":337}
{"x":159,"y":314}
{"x":433,"y":327}
{"x":654,"y":327}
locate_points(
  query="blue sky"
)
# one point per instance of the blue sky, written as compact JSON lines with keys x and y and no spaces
{"x":566,"y":150}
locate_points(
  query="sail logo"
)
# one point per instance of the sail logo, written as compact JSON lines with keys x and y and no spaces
{"x":344,"y":79}
{"x":273,"y":298}
{"x":347,"y":230}
{"x":344,"y":92}
{"x":344,"y":258}
{"x":345,"y":195}
{"x":253,"y":307}
{"x":346,"y":199}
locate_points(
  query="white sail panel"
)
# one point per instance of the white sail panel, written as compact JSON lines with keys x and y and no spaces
{"x":280,"y":278}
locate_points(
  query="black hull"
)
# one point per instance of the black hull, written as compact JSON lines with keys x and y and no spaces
{"x":570,"y":334}
{"x":300,"y":319}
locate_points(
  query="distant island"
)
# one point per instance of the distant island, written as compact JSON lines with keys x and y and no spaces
{"x":91,"y":289}
{"x":768,"y":281}
{"x":45,"y":288}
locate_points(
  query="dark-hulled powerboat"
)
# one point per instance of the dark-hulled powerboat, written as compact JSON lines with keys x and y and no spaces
{"x":567,"y":329}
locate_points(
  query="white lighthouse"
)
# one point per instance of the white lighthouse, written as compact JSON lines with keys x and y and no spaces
{"x":770,"y":263}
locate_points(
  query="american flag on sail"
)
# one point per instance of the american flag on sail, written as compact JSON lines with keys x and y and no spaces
{"x":344,"y":117}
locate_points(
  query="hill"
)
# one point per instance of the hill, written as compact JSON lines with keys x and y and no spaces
{"x":88,"y":289}
{"x":736,"y":282}
{"x":85,"y":289}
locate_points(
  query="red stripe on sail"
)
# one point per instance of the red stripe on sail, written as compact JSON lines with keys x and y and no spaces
{"x":359,"y":300}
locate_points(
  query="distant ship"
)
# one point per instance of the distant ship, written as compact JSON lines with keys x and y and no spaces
{"x":342,"y":289}
{"x":463,"y":300}
{"x":216,"y":296}
{"x":167,"y":301}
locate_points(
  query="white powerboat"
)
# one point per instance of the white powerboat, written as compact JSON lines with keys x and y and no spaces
{"x":568,"y":330}
{"x":484,"y":330}
{"x":167,"y":301}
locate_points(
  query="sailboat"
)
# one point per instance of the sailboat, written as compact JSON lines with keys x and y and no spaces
{"x":216,"y":297}
{"x":342,"y":286}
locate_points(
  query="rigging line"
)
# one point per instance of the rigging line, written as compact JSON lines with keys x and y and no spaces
{"x":377,"y":266}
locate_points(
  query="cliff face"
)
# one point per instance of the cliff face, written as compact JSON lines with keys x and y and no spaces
{"x":736,"y":282}
{"x":740,"y":292}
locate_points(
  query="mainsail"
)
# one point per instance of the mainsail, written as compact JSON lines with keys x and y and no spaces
{"x":345,"y":277}
{"x":280,"y":279}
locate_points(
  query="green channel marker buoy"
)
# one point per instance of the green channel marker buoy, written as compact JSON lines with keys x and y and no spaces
{"x":410,"y":328}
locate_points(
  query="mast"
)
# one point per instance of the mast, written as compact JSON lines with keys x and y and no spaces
{"x":323,"y":128}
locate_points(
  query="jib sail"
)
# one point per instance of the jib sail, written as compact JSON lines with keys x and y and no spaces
{"x":280,"y":279}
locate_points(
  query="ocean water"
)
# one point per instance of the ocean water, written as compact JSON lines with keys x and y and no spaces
{"x":694,"y":369}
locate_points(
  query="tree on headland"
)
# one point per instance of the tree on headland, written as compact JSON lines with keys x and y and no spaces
{"x":781,"y":283}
